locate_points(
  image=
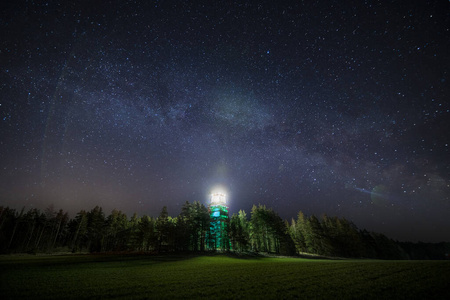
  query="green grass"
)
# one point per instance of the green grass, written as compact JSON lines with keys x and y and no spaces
{"x":193,"y":277}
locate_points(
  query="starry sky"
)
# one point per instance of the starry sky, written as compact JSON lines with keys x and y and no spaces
{"x":336,"y":107}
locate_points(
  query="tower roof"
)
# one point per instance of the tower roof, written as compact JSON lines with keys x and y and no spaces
{"x":218,"y":198}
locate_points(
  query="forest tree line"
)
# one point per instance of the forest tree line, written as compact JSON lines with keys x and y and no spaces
{"x":51,"y":230}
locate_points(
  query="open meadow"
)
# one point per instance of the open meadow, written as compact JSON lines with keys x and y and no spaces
{"x":218,"y":276}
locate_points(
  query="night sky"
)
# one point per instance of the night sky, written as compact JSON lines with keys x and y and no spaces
{"x":336,"y":107}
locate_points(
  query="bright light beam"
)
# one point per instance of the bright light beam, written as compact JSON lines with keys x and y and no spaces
{"x":218,"y":196}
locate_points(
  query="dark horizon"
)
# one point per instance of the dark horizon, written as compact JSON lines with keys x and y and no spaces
{"x":321,"y":107}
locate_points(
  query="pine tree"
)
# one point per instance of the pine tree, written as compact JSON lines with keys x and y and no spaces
{"x":162,"y":229}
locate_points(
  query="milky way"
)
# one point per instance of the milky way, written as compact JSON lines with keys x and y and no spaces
{"x":322,"y":107}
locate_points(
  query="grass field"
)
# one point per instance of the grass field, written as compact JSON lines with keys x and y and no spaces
{"x":193,"y":277}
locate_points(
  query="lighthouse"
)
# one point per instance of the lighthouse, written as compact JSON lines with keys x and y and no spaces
{"x":217,"y":238}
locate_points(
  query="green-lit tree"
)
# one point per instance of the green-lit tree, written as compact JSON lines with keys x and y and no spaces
{"x":298,"y":232}
{"x":78,"y":231}
{"x":313,"y":235}
{"x":201,"y":224}
{"x":59,"y":229}
{"x":163,"y":229}
{"x":96,"y":229}
{"x":244,"y":231}
{"x":146,"y":237}
{"x":184,"y":228}
{"x":117,"y":231}
{"x":269,"y":233}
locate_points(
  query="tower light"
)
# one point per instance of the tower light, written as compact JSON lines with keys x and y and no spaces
{"x":218,"y":198}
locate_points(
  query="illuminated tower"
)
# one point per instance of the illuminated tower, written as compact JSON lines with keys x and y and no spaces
{"x":217,"y":238}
